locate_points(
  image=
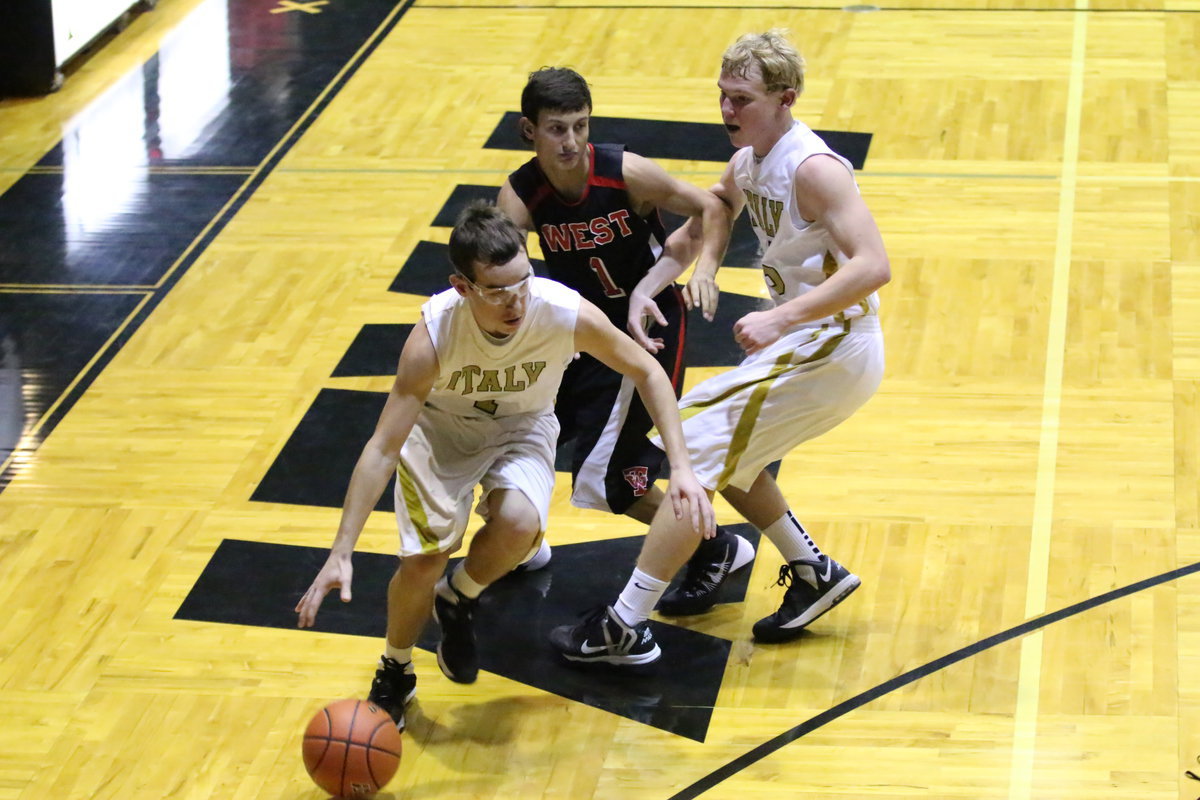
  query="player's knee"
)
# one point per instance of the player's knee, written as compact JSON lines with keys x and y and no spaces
{"x":644,"y":508}
{"x":513,"y":516}
{"x":426,"y":567}
{"x":519,"y":527}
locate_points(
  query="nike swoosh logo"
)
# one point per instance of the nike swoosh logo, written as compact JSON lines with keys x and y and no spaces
{"x":643,"y":588}
{"x":828,"y":569}
{"x":588,"y":649}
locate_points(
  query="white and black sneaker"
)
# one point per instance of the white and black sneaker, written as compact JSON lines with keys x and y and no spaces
{"x":604,"y":638}
{"x":393,"y":688}
{"x":813,"y":587}
{"x":706,"y":571}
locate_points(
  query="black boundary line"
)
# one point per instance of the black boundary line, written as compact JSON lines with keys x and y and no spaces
{"x":199,"y":245}
{"x":841,"y":709}
{"x":842,"y":9}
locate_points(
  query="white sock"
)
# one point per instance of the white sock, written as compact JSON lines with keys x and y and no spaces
{"x":787,"y":534}
{"x":538,"y":558}
{"x":401,"y":654}
{"x":639,"y":597}
{"x":464,"y":584}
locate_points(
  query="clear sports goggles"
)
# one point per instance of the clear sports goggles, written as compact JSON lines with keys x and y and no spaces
{"x":501,"y":295}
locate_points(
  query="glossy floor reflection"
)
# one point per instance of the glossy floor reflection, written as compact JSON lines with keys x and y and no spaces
{"x":64,"y":230}
{"x":222,"y":91}
{"x":46,"y":339}
{"x":139,"y":175}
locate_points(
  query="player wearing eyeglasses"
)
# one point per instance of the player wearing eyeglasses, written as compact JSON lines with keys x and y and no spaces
{"x":473,"y":404}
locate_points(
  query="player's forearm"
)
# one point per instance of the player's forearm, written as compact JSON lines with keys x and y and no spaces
{"x":683,"y":246}
{"x":660,"y":276}
{"x":714,"y":238}
{"x":659,"y":398}
{"x":370,"y":477}
{"x":850,"y":285}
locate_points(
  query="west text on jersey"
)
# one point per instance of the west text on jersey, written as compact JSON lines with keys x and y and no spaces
{"x":597,"y":232}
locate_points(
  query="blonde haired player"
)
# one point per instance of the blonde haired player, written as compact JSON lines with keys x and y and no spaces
{"x":811,"y":361}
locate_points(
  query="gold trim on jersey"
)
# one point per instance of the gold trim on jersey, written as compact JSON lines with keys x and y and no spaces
{"x":744,"y":430}
{"x":782,"y":365}
{"x":829,"y":266}
{"x":416,"y":511}
{"x":745,"y":424}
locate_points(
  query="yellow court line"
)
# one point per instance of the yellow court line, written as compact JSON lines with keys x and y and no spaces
{"x":502,"y":172}
{"x":301,"y":120}
{"x":37,"y":426}
{"x":1029,"y":678}
{"x":166,"y":170}
{"x":70,"y":288}
{"x":1139,"y":178}
{"x":717,"y":170}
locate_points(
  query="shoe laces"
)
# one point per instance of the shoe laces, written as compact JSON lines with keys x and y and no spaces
{"x":786,"y":576}
{"x":388,"y":685}
{"x":593,"y":615}
{"x":698,"y":576}
{"x":463,"y":607}
{"x":599,"y":618}
{"x":391,"y":667}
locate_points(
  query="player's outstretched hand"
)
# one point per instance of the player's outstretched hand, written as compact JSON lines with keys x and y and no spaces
{"x":757,"y":330}
{"x":337,"y":571}
{"x":703,"y":293}
{"x":689,"y":500}
{"x":641,"y":309}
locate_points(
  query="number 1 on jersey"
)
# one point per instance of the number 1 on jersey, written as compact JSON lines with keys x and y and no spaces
{"x":610,"y":288}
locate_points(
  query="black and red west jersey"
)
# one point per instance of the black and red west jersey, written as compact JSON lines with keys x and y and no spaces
{"x":597,"y":245}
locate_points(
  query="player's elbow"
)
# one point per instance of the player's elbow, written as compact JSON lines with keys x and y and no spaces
{"x":648,"y":376}
{"x":717,"y":211}
{"x":879,"y":271}
{"x":883,"y":272}
{"x":383,"y":449}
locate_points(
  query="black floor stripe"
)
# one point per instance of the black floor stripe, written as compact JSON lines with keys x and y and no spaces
{"x":198,"y":246}
{"x":841,"y":709}
{"x":258,"y":583}
{"x":660,"y":138}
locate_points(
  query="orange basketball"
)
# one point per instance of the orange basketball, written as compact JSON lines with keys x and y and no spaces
{"x":351,"y":748}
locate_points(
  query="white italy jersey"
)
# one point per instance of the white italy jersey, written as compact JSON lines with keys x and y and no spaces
{"x":479,"y":376}
{"x":796,"y":255}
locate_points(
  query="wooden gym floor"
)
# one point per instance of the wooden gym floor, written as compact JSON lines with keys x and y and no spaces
{"x":212,"y":237}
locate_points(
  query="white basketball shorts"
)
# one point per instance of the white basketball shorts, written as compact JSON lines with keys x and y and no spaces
{"x":803,"y":385}
{"x":447,"y":456}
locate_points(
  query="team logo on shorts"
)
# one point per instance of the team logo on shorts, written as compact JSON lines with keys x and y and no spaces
{"x":638,"y":478}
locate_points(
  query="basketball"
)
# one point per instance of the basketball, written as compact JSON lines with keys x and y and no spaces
{"x":351,"y":748}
